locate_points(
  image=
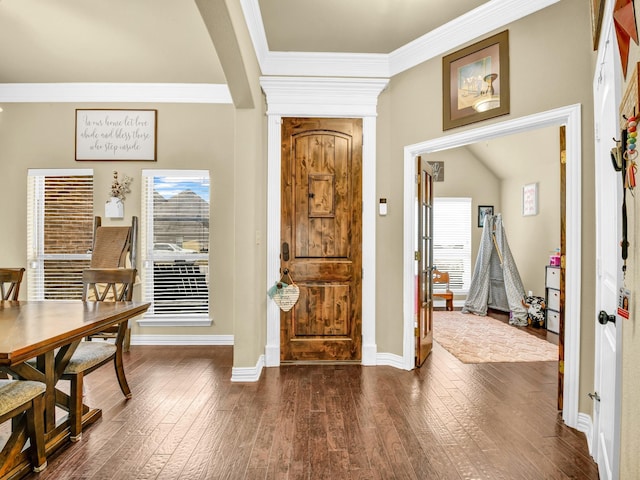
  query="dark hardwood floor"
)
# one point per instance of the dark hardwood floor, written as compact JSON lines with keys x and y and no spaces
{"x":542,"y":333}
{"x":446,"y":420}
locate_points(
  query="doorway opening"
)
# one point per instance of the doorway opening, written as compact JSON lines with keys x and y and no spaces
{"x":569,"y":117}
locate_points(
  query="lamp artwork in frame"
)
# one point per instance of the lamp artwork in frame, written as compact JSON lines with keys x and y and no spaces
{"x":483,"y":211}
{"x":475,"y":82}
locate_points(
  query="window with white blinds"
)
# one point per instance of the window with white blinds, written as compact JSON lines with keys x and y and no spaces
{"x":59,"y":232}
{"x":174,"y":244}
{"x":452,"y":240}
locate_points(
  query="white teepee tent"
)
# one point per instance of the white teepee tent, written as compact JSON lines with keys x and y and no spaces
{"x":496,"y":282}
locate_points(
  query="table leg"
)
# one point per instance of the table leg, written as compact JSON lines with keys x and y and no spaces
{"x":46,"y":364}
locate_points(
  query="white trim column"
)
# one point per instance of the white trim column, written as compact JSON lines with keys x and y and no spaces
{"x":323,"y":97}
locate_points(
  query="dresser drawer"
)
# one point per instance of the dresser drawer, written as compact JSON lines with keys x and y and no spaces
{"x":553,"y":299}
{"x":553,"y":278}
{"x":553,"y":321}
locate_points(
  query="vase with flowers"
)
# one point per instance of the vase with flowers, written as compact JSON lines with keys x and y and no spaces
{"x":114,"y":207}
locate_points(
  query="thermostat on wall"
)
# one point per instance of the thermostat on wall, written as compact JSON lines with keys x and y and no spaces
{"x":383,"y":206}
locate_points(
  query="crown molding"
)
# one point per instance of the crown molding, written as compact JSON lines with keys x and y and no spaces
{"x":470,"y":26}
{"x":322,"y":96}
{"x":480,"y":21}
{"x":324,"y":64}
{"x":115,"y":92}
{"x":308,"y":63}
{"x":476,"y":23}
{"x":253,"y":19}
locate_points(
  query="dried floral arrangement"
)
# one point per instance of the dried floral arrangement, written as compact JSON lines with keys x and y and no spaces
{"x":119,"y":188}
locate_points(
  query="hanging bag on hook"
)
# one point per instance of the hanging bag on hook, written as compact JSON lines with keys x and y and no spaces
{"x":285,"y":295}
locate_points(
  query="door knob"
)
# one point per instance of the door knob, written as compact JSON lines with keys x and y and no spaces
{"x":604,"y":318}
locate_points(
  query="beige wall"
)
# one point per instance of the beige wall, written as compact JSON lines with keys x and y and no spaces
{"x":231,"y":145}
{"x":467,"y":176}
{"x":533,"y":238}
{"x":414,"y":115}
{"x":249,"y":272}
{"x":189,"y":136}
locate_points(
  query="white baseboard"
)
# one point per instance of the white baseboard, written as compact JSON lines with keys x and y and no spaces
{"x":248,"y":374}
{"x":181,"y":339}
{"x":252,"y":374}
{"x":369,"y":354}
{"x":390,"y":360}
{"x":585,"y":425}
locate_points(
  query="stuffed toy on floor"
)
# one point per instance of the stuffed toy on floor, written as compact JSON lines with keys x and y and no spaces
{"x":535,"y":310}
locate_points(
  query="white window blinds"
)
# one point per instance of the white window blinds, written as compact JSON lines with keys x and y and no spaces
{"x":59,"y":232}
{"x":175,"y":243}
{"x":452,"y":240}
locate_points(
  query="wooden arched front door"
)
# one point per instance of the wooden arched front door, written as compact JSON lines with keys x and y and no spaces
{"x":321,"y":235}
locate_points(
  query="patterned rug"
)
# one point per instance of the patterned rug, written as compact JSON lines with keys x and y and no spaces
{"x":475,"y":339}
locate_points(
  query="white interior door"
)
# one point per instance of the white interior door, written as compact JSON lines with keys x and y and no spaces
{"x":606,"y":395}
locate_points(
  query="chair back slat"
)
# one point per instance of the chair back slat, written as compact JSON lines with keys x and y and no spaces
{"x":108,"y":284}
{"x":10,"y":280}
{"x":441,"y":278}
{"x":113,"y":246}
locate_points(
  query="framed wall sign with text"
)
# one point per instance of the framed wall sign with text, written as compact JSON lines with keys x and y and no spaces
{"x":116,"y":135}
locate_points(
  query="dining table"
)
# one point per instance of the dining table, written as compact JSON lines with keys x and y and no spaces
{"x":50,"y":331}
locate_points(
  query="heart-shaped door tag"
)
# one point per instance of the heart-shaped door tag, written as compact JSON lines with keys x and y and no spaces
{"x":286,"y":297}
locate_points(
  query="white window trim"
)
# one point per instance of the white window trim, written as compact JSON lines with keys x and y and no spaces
{"x":35,"y":248}
{"x":469,"y":263}
{"x":150,"y":319}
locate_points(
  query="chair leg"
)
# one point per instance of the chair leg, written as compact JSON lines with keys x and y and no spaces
{"x":450,"y":304}
{"x":122,"y":379}
{"x":13,"y":446}
{"x":75,"y":407}
{"x":35,"y":429}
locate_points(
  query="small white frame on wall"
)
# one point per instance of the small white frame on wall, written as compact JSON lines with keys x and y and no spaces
{"x":530,"y":199}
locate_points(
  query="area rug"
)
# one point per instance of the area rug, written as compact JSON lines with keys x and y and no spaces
{"x":475,"y":339}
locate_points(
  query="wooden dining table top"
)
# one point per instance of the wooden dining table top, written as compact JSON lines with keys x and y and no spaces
{"x":31,"y":328}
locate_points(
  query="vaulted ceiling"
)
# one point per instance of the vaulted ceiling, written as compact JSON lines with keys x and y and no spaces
{"x":169,"y":41}
{"x":365,"y":26}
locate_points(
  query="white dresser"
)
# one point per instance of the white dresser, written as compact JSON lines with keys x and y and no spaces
{"x":552,"y":301}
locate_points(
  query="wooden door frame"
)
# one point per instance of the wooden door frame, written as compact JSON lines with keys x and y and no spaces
{"x":569,"y":117}
{"x":322,"y":98}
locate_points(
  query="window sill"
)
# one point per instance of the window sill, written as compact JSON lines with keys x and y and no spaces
{"x":179,"y":321}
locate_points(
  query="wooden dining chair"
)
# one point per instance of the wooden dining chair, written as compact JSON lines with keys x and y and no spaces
{"x":23,"y":402}
{"x":10,"y":279}
{"x":91,"y":355}
{"x":114,"y":247}
{"x":441,"y":288}
{"x":118,"y":290}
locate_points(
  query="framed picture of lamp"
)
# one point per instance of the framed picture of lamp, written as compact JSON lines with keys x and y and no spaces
{"x":475,"y":82}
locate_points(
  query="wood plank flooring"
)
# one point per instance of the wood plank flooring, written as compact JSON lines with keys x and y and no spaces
{"x":542,"y":333}
{"x":447,"y":420}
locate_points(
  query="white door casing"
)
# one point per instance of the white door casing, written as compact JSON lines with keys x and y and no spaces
{"x":570,"y":117}
{"x":323,"y":97}
{"x":607,"y":374}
